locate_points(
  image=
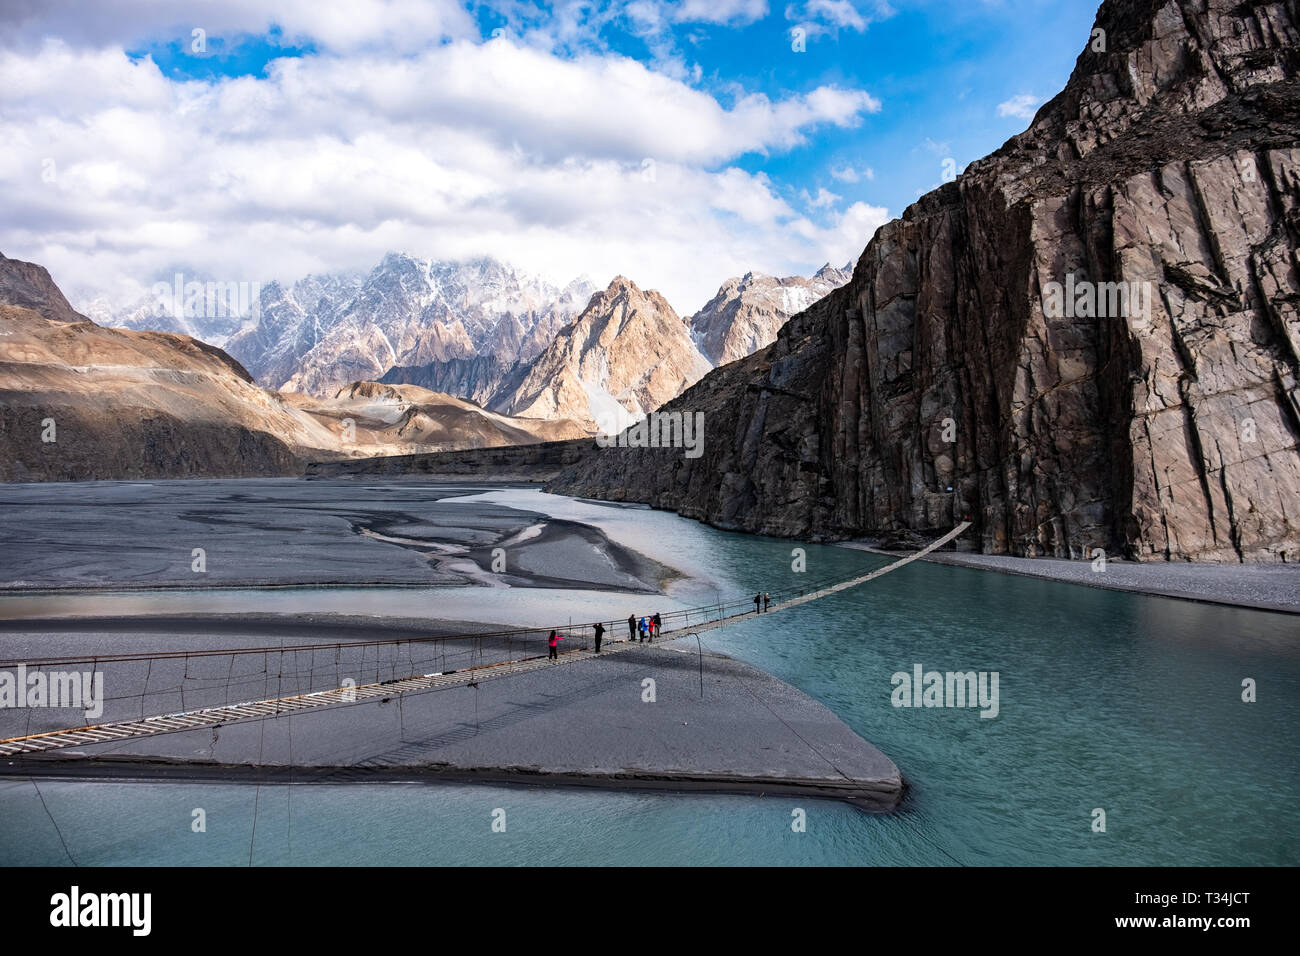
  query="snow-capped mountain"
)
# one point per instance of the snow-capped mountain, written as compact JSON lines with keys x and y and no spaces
{"x":624,"y":356}
{"x":322,"y":332}
{"x":413,"y":312}
{"x":292,"y":321}
{"x":485,"y":331}
{"x":197,"y":306}
{"x":747,"y":311}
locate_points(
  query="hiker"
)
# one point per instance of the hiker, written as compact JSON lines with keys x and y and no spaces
{"x":554,"y":641}
{"x":631,"y":627}
{"x":600,"y":632}
{"x":757,"y":601}
{"x":767,"y":600}
{"x":656,"y":622}
{"x":645,"y":626}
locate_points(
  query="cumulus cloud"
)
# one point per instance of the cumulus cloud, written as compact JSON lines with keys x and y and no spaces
{"x":817,"y":17}
{"x":848,"y":232}
{"x":939,"y":149}
{"x":824,"y":199}
{"x":1022,"y":106}
{"x":849,"y":174}
{"x":114,"y":174}
{"x":729,"y":12}
{"x":401,"y":25}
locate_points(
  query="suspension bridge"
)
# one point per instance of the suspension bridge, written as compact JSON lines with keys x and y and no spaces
{"x":409,"y":675}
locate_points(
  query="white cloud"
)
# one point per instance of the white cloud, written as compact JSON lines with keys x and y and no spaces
{"x":1022,"y":106}
{"x":817,"y":17}
{"x":838,"y":13}
{"x":854,"y":229}
{"x":402,"y":25}
{"x":654,"y":15}
{"x":848,"y":174}
{"x":823,"y":200}
{"x":328,"y":161}
{"x":939,"y":149}
{"x":729,"y":12}
{"x":581,"y":26}
{"x":848,"y":233}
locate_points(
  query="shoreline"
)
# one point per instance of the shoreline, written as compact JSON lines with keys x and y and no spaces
{"x":1225,"y":585}
{"x":866,"y":797}
{"x":293,"y":534}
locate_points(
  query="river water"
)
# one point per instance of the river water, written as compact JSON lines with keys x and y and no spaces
{"x":1108,"y":701}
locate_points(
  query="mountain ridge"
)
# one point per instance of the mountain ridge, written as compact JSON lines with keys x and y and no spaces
{"x":82,"y":402}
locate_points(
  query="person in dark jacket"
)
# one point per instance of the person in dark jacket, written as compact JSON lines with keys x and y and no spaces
{"x":656,"y":622}
{"x":631,"y":627}
{"x":600,"y":632}
{"x":758,"y":600}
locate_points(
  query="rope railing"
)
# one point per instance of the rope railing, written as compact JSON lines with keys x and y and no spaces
{"x":183,"y":679}
{"x":198,"y":687}
{"x":685,"y":615}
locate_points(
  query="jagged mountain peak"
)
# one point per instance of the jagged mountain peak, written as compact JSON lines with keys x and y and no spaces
{"x":623,"y":289}
{"x":839,"y":274}
{"x":411,"y":313}
{"x":620,"y":284}
{"x":626,"y":354}
{"x":746,"y":312}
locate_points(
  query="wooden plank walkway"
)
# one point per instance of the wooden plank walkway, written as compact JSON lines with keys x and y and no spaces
{"x":274,"y":707}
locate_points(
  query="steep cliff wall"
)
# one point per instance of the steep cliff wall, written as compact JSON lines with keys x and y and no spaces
{"x":536,"y":462}
{"x":964,"y":371}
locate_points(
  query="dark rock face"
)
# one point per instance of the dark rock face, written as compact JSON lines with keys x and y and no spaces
{"x":536,"y":462}
{"x":478,"y":378}
{"x":985,"y":362}
{"x":154,"y":445}
{"x":29,"y":286}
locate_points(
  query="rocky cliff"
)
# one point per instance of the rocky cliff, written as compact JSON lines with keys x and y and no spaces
{"x":477,"y":379}
{"x":26,"y":285}
{"x":292,"y":321}
{"x":1090,"y":340}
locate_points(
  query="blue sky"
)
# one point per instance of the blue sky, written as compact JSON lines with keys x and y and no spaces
{"x":315,"y":142}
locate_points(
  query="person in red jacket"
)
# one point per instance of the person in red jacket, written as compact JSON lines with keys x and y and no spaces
{"x":554,"y":642}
